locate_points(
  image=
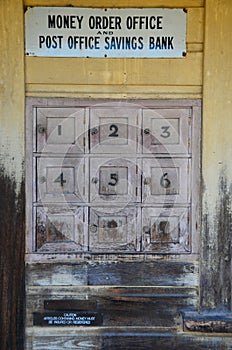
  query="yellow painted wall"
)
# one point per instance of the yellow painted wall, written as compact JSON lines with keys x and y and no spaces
{"x":217,"y":96}
{"x":122,"y":78}
{"x":12,"y":89}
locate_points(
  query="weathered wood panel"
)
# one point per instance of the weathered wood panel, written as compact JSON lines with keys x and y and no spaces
{"x":126,"y":339}
{"x":217,"y":206}
{"x":143,"y":274}
{"x":156,"y":273}
{"x":135,"y":306}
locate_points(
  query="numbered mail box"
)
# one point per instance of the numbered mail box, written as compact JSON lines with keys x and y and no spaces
{"x":60,"y":130}
{"x":166,"y":230}
{"x":114,"y":180}
{"x":165,"y":180}
{"x":166,"y":131}
{"x":113,"y":130}
{"x":60,"y":230}
{"x":113,"y":229}
{"x":61,"y":180}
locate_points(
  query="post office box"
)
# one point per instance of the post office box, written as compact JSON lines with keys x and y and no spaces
{"x":166,"y":131}
{"x":113,"y":229}
{"x":114,"y":180}
{"x":61,"y":179}
{"x":165,"y":180}
{"x":114,"y":130}
{"x":166,"y":230}
{"x":60,"y":130}
{"x":60,"y":229}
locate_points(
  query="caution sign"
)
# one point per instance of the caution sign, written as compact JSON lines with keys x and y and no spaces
{"x":89,"y":32}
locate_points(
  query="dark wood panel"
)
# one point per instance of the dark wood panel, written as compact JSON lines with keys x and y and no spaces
{"x":143,"y":274}
{"x":12,"y":291}
{"x":157,"y":273}
{"x":132,"y":306}
{"x":134,"y":339}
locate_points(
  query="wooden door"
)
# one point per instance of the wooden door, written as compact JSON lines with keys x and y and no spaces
{"x":112,"y":221}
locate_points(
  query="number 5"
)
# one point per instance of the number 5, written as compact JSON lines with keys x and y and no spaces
{"x":114,"y":179}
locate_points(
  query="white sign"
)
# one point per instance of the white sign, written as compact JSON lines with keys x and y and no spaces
{"x":91,"y":32}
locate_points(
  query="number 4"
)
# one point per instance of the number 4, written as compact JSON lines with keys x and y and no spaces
{"x":60,"y":180}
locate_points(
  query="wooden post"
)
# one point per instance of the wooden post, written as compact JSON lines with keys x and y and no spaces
{"x":216,"y":163}
{"x":12,"y":201}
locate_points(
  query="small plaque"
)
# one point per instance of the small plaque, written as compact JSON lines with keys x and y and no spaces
{"x":69,"y":304}
{"x":67,"y":318}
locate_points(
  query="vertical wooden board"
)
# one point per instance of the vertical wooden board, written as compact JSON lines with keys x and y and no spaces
{"x":12,"y":191}
{"x":216,"y":158}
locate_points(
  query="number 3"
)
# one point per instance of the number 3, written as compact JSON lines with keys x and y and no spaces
{"x":165,"y":133}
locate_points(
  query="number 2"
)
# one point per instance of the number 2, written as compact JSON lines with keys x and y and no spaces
{"x":113,"y":128}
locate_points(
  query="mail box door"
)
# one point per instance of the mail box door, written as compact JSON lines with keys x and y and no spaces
{"x":113,"y":229}
{"x":166,"y":131}
{"x":61,"y":180}
{"x":166,"y":230}
{"x":60,"y":229}
{"x":114,"y":180}
{"x":113,"y":130}
{"x":60,"y":130}
{"x":165,"y":180}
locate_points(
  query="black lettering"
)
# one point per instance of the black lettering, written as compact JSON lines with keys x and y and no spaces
{"x":113,"y":128}
{"x":51,"y":21}
{"x":170,"y":44}
{"x":144,"y":22}
{"x":83,"y":42}
{"x":54,"y":42}
{"x":79,"y":20}
{"x":158,"y":43}
{"x":123,"y":43}
{"x":151,"y":43}
{"x":140,"y":40}
{"x":41,"y":40}
{"x":161,"y":43}
{"x":159,"y":22}
{"x":59,"y":21}
{"x":129,"y":22}
{"x":66,"y":22}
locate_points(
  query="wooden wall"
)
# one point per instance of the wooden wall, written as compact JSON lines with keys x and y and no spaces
{"x":106,"y":284}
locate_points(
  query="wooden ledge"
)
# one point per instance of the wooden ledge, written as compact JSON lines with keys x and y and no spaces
{"x":207,"y":321}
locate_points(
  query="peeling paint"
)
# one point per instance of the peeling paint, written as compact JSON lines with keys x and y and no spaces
{"x":12,"y":230}
{"x":216,"y":249}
